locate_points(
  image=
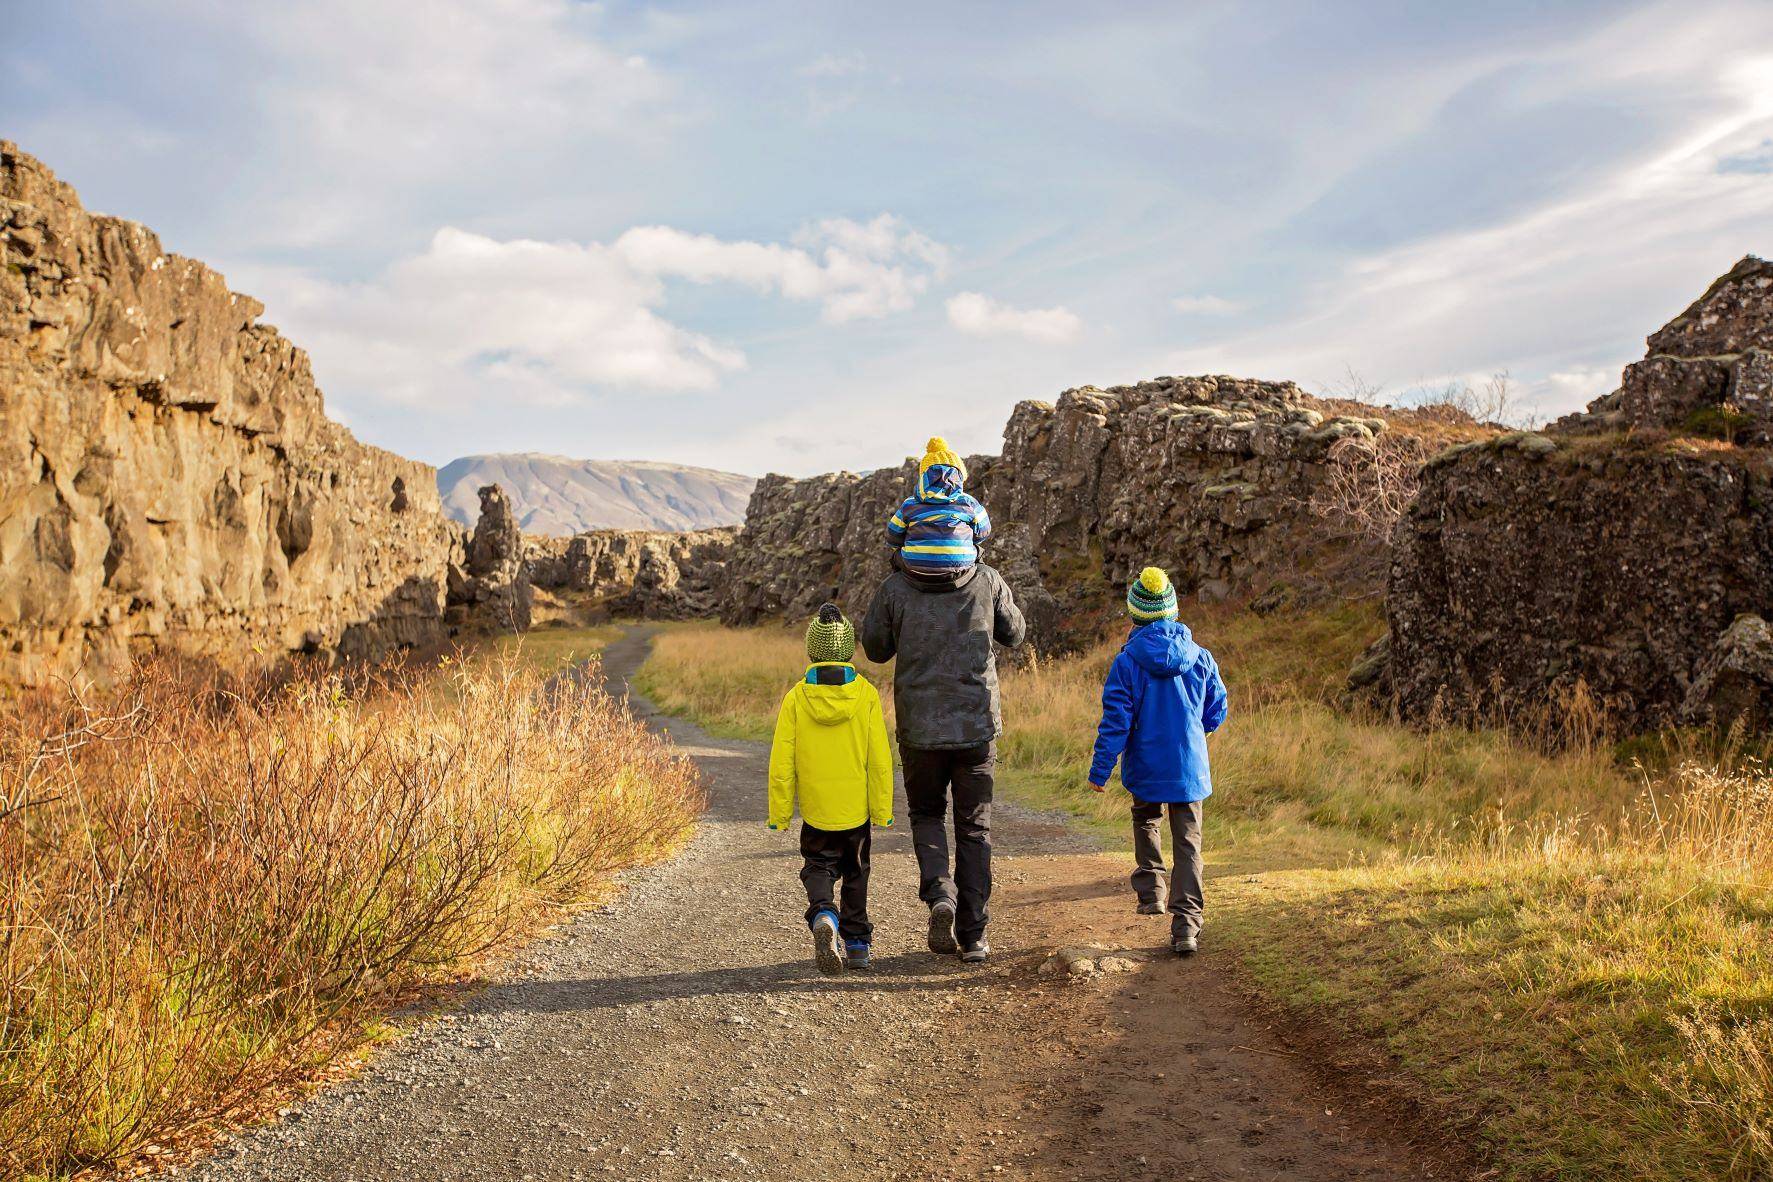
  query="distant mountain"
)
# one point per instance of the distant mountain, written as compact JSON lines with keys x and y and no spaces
{"x":557,"y":495}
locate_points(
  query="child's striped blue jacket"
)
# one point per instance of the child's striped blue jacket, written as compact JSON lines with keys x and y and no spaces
{"x":937,"y":531}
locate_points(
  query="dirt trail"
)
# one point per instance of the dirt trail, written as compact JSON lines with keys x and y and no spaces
{"x":683,"y":1033}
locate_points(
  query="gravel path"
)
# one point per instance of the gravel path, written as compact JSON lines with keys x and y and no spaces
{"x":682,"y":1033}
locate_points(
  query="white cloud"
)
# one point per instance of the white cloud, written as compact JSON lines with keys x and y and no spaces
{"x":980,"y":315}
{"x":1566,"y":390}
{"x":856,"y":270}
{"x":381,"y":103}
{"x":474,"y":319}
{"x":1561,"y":295}
{"x":831,"y":65}
{"x":1206,"y":305}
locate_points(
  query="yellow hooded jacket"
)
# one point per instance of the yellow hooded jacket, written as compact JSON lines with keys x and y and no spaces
{"x":831,"y":752}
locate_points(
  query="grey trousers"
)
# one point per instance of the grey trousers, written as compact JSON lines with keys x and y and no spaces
{"x":1186,"y":903}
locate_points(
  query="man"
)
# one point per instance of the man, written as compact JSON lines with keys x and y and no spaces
{"x":941,"y":629}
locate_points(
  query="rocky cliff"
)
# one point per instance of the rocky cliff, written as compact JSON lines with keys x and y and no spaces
{"x":1211,"y":477}
{"x":652,"y":575}
{"x":1629,"y":549}
{"x":168,"y":476}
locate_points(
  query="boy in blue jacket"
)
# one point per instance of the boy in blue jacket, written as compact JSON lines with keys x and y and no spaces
{"x":1162,"y":699}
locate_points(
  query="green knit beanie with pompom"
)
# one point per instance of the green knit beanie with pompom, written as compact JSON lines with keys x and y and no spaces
{"x":1151,"y":597}
{"x":830,"y":638}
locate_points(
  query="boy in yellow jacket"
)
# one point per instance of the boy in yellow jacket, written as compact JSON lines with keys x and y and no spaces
{"x":831,"y":753}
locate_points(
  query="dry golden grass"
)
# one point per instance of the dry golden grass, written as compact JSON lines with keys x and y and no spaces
{"x":208,"y":888}
{"x":550,"y":646}
{"x":731,"y":680}
{"x":1563,"y":950}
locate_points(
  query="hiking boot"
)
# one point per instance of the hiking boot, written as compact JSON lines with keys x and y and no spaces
{"x":942,"y":928}
{"x":1185,"y":945}
{"x":858,"y":955}
{"x":975,"y":953}
{"x":827,"y":948}
{"x":1150,"y":907}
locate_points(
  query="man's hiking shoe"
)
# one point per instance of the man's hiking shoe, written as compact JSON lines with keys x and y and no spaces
{"x":975,"y":953}
{"x":1185,"y":945}
{"x":827,"y":948}
{"x":1150,"y":907}
{"x":858,"y":955}
{"x":942,"y":929}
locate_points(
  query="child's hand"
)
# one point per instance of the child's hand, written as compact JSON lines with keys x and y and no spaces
{"x":1098,"y":787}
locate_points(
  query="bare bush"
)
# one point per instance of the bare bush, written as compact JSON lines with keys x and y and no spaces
{"x":1368,"y":483}
{"x":212,"y":887}
{"x":1497,"y":402}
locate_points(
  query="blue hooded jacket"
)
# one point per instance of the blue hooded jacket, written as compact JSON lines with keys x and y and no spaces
{"x":1162,"y":699}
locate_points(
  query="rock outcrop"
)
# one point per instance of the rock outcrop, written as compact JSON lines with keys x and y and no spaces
{"x":1618,"y":551}
{"x":652,"y":575}
{"x":1733,"y":686}
{"x":1709,"y":371}
{"x":492,"y":587}
{"x":168,"y":476}
{"x":1210,"y":477}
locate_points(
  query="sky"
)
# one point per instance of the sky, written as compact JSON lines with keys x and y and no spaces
{"x":797,"y":237}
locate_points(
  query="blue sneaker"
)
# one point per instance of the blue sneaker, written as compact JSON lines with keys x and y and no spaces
{"x":827,"y":948}
{"x":858,"y":954}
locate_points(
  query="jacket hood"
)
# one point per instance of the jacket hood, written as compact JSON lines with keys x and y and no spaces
{"x":833,"y":705}
{"x":1164,"y":648}
{"x":940,"y":482}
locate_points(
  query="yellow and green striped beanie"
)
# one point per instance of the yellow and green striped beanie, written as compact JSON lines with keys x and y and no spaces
{"x":1151,"y":597}
{"x":830,"y":638}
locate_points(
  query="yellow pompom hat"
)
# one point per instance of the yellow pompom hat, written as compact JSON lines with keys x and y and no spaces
{"x":1151,"y":597}
{"x":937,"y":451}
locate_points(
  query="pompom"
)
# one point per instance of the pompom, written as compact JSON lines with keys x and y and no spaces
{"x":1154,"y":580}
{"x":936,"y":452}
{"x":829,"y":613}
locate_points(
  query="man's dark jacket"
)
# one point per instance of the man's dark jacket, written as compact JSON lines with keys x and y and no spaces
{"x":945,"y":682}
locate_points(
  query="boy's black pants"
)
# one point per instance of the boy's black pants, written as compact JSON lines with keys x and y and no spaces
{"x":1186,"y":902}
{"x":928,"y":775}
{"x":827,"y":857}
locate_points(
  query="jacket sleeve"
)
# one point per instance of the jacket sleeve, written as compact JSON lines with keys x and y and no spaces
{"x":1008,"y":627}
{"x":1215,"y":706}
{"x":981,"y":523}
{"x":896,"y":526}
{"x":1117,"y":720}
{"x":782,"y":763}
{"x":878,"y":638}
{"x":880,"y":768}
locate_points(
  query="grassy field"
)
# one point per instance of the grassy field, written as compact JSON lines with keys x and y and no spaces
{"x":550,"y":647}
{"x":1562,"y":947}
{"x":209,"y":888}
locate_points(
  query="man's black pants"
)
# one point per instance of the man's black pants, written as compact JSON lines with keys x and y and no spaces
{"x":827,"y":857}
{"x":929,"y":774}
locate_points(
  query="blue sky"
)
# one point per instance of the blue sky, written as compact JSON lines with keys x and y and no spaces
{"x":796,"y":237}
